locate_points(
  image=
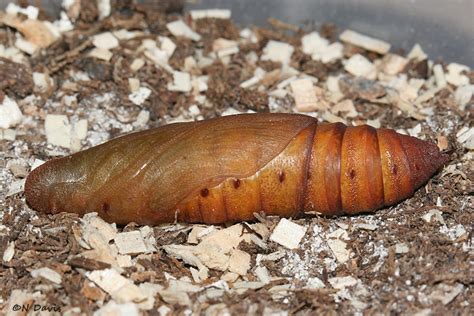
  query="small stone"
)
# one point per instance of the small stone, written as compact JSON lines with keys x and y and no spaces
{"x":288,"y":234}
{"x":10,"y":114}
{"x":47,"y":274}
{"x":179,"y":28}
{"x":358,"y":65}
{"x":105,"y":41}
{"x":364,"y":41}
{"x":278,"y":52}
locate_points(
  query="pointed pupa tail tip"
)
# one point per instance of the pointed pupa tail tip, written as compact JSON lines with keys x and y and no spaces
{"x":424,"y":157}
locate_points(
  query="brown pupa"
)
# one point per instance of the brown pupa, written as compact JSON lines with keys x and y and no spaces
{"x":227,"y":168}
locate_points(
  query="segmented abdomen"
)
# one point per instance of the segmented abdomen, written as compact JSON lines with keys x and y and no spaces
{"x":328,"y":168}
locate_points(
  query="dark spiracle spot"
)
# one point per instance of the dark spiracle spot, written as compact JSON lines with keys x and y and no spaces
{"x":395,"y":169}
{"x":352,"y":173}
{"x":281,"y":176}
{"x":236,"y":183}
{"x":105,"y":207}
{"x":204,"y":192}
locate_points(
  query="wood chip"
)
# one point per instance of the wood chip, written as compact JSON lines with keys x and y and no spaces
{"x":463,"y":95}
{"x":401,"y":248}
{"x":58,"y":130}
{"x":305,"y":95}
{"x":364,"y":41}
{"x":113,"y":308}
{"x":133,"y":84}
{"x":105,"y":41}
{"x":239,"y":262}
{"x":10,"y":113}
{"x":339,"y":249}
{"x":120,"y":288}
{"x":455,"y":76}
{"x":26,"y":46}
{"x":139,"y":96}
{"x":393,"y":64}
{"x":181,"y":82}
{"x":179,"y":28}
{"x":313,"y":43}
{"x":210,"y":13}
{"x":347,"y":107}
{"x":343,"y":282}
{"x":417,"y":53}
{"x":446,"y":293}
{"x":48,"y":274}
{"x":9,"y":252}
{"x":101,"y":53}
{"x":87,"y":264}
{"x":332,"y":118}
{"x":288,"y":234}
{"x":433,"y":215}
{"x":439,"y":76}
{"x":278,"y":52}
{"x":137,"y":64}
{"x":130,"y":243}
{"x":358,"y":65}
